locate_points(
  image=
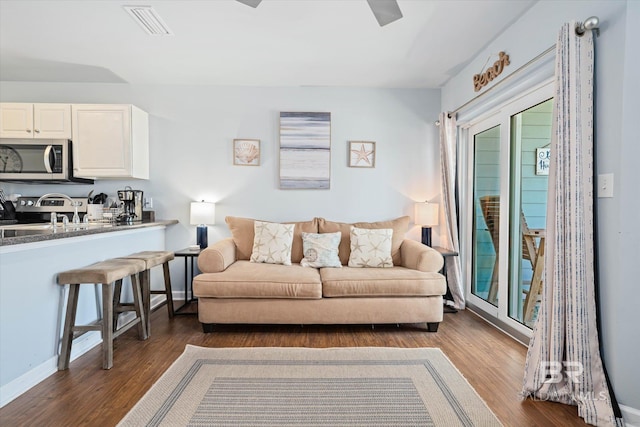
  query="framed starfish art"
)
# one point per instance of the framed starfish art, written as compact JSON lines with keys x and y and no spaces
{"x":362,"y":154}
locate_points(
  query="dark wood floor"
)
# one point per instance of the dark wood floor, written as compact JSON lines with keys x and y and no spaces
{"x":86,"y":395}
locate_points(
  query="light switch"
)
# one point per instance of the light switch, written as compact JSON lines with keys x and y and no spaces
{"x":605,"y":185}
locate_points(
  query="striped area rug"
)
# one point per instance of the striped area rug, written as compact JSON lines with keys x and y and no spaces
{"x":364,"y":386}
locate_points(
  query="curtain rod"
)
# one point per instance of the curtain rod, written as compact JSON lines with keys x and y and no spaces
{"x":590,"y":23}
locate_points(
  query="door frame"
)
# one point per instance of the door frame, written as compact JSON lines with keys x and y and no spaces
{"x":500,"y":115}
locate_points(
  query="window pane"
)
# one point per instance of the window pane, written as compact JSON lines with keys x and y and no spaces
{"x":530,"y":142}
{"x":486,"y":219}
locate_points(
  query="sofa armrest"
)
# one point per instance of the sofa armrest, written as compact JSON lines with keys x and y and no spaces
{"x":217,"y":257}
{"x":421,"y":257}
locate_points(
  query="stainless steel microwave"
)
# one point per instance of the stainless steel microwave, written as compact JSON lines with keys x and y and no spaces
{"x":38,"y":161}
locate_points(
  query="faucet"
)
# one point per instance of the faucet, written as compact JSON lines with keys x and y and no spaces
{"x":54,"y":221}
{"x":76,"y":217}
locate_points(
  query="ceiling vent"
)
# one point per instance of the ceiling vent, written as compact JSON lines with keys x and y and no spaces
{"x":149,"y":20}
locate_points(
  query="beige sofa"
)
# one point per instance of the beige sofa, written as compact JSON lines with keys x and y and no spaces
{"x":231,"y":289}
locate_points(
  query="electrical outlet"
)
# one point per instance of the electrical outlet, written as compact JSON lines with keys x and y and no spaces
{"x":605,"y":185}
{"x":148,"y":203}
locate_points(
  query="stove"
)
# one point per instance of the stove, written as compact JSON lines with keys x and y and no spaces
{"x":27,"y":211}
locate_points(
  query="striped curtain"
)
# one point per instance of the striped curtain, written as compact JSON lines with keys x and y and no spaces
{"x":449,"y":234}
{"x":563,"y":361}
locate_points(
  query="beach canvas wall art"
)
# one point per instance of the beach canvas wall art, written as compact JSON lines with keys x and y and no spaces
{"x":305,"y":150}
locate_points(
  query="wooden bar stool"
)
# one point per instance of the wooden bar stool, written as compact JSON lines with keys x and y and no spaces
{"x":153,"y":259}
{"x":109,"y":274}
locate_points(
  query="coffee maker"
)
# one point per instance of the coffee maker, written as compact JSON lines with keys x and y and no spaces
{"x":132,"y":200}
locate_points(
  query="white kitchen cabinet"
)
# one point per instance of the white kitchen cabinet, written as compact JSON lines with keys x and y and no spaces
{"x":25,"y":120}
{"x":110,"y":141}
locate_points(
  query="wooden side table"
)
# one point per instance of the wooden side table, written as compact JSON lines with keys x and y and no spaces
{"x":446,"y":253}
{"x":189,"y":256}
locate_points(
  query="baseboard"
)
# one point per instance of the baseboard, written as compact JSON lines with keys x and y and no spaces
{"x":631,"y":416}
{"x":180,"y":295}
{"x":80,"y":346}
{"x":15,"y":388}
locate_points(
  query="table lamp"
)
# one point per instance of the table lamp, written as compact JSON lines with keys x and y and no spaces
{"x":426,"y":216}
{"x":202,"y":214}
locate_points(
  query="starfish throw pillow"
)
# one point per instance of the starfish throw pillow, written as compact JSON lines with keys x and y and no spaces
{"x":370,"y":247}
{"x":272,"y":243}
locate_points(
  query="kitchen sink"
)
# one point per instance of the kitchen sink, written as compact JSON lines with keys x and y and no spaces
{"x":59,"y":226}
{"x":5,"y":233}
{"x":19,"y":230}
{"x":28,"y":227}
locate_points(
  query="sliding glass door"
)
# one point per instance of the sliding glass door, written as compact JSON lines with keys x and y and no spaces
{"x":506,"y":194}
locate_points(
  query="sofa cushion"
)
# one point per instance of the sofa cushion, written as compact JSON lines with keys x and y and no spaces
{"x":242,"y":232}
{"x":272,"y":243}
{"x":373,"y":282}
{"x":399,"y":226}
{"x":321,"y":250}
{"x":370,"y":247}
{"x":244,"y":279}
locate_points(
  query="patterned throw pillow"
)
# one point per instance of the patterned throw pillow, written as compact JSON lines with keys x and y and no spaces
{"x":321,"y":250}
{"x":370,"y":247}
{"x":272,"y":243}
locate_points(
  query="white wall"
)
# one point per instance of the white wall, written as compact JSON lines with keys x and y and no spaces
{"x":617,"y":110}
{"x":191,"y":134}
{"x":620,"y":296}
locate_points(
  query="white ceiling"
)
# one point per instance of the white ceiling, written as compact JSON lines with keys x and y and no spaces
{"x":224,"y":42}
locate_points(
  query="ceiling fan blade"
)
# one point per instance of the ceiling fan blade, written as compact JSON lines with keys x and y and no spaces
{"x":385,"y":11}
{"x":252,"y":3}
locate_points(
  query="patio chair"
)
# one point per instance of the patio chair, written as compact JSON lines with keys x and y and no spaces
{"x":533,"y":241}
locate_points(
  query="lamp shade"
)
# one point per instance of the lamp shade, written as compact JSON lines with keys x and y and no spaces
{"x":426,"y":214}
{"x":203,"y":213}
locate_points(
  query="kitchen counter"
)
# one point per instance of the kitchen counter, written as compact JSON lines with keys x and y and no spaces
{"x":30,"y":233}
